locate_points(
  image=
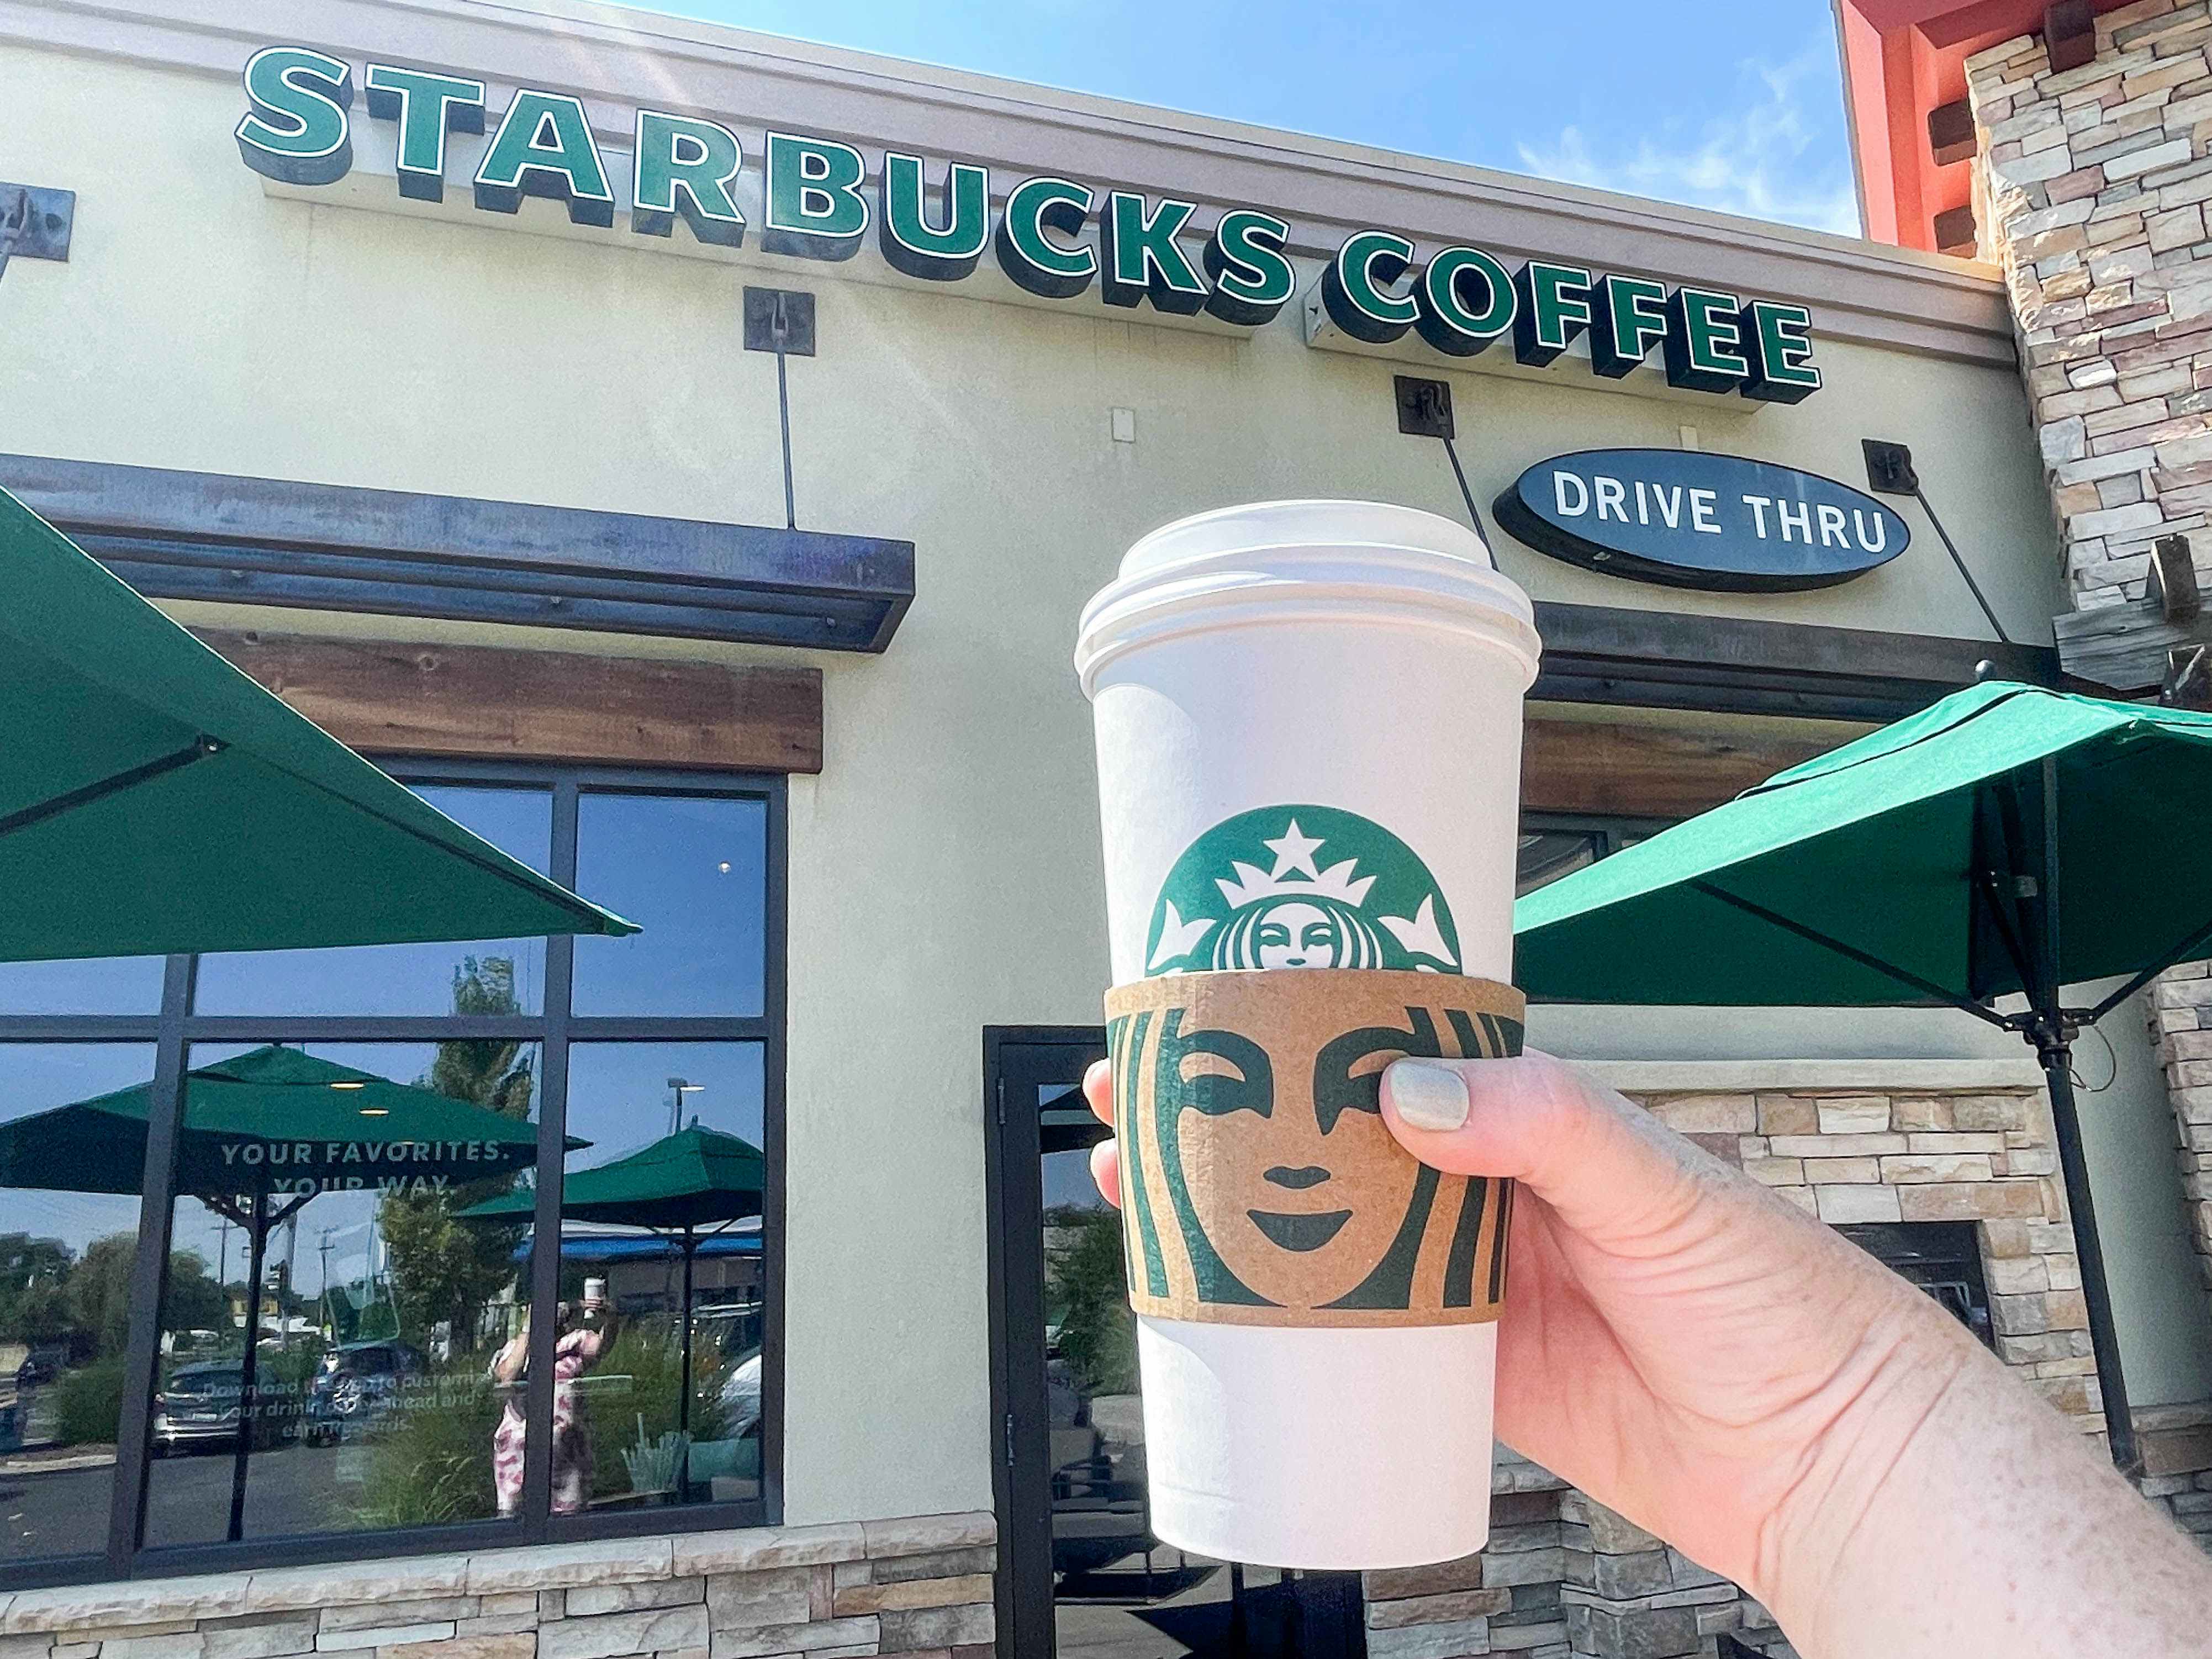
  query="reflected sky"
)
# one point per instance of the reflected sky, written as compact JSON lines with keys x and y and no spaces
{"x":693,"y":874}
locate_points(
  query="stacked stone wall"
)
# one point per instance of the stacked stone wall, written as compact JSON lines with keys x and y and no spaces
{"x":2094,"y":183}
{"x":920,"y":1587}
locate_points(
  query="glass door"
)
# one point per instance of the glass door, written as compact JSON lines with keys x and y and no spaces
{"x":1081,"y":1574}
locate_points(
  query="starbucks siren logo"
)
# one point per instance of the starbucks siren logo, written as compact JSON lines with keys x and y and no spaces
{"x":1300,"y":887}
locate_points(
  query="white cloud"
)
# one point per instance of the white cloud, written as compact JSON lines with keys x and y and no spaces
{"x":1767,"y":162}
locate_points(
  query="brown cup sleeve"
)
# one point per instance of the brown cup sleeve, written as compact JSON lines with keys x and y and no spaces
{"x":1260,"y":1185}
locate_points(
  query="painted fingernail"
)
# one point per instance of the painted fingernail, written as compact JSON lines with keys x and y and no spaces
{"x":1429,"y":1096}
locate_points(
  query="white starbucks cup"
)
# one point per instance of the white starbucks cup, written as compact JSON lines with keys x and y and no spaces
{"x":1308,"y":722}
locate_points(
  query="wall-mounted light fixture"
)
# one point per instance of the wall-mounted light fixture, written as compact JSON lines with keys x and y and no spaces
{"x":1889,"y":473}
{"x":34,"y":223}
{"x":782,"y":321}
{"x":1425,"y":411}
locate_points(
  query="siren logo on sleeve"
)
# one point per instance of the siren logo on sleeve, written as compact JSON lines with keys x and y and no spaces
{"x":1300,"y":887}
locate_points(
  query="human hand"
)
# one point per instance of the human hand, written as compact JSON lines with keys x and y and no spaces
{"x":1676,"y":1341}
{"x":1725,"y":1371}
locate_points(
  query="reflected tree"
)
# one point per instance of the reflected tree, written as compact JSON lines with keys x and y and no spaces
{"x":1087,"y":1291}
{"x":444,"y":1269}
{"x":34,"y":1272}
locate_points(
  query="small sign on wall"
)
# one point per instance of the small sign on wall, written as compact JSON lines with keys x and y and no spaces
{"x":1685,"y":519}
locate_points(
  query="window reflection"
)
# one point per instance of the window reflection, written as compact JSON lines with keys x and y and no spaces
{"x":400,"y":979}
{"x":328,"y":1187}
{"x":661,"y":1278}
{"x":1547,"y":855}
{"x":106,"y":985}
{"x":693,"y":874}
{"x":68,"y":1239}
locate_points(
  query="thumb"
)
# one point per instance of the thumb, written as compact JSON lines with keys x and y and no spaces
{"x":1607,"y":1167}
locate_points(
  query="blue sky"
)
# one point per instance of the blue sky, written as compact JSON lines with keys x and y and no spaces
{"x":1741,"y":112}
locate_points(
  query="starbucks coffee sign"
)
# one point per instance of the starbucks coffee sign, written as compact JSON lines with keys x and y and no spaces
{"x":1054,"y":237}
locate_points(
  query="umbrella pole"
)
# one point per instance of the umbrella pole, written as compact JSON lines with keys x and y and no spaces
{"x":2096,"y":1296}
{"x":256,"y":1247}
{"x":684,"y":1407}
{"x":2048,"y":1031}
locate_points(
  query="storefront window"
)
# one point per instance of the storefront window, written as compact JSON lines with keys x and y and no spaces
{"x":69,"y":1235}
{"x":381,"y":1298}
{"x":343,"y":1343}
{"x":698,"y":866}
{"x":661,"y":1214}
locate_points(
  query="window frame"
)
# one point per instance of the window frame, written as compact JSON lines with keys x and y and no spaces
{"x":555,"y":1029}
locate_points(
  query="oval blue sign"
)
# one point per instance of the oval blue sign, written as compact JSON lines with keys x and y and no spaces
{"x":1688,"y":519}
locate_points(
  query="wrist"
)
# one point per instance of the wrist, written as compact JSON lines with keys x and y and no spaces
{"x":1874,"y":1421}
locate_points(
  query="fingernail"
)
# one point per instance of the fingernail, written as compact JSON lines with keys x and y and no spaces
{"x":1429,"y":1096}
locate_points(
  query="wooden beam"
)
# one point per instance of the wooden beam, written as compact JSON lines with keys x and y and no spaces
{"x":1951,"y":132}
{"x":1956,"y":232}
{"x":2070,"y":31}
{"x":480,"y":702}
{"x":2125,"y":648}
{"x":1645,"y":771}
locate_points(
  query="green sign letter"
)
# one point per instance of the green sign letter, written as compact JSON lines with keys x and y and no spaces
{"x":1704,"y":341}
{"x":1782,"y":370}
{"x":910,"y":243}
{"x":686,"y":166}
{"x":1032,"y":259}
{"x":1629,"y":317}
{"x":1466,"y":300}
{"x":296,"y":130}
{"x":544,"y":147}
{"x":1355,"y":288}
{"x":815,"y":207}
{"x":1555,"y":307}
{"x":1139,"y":259}
{"x":1244,"y":259}
{"x":426,"y":107}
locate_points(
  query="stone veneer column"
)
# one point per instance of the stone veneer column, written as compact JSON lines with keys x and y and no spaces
{"x":2181,"y":1017}
{"x":2095,"y":185}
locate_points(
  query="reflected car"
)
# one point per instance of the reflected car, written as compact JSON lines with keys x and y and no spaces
{"x":41,"y":1366}
{"x":741,"y":1396}
{"x":356,"y":1384}
{"x":196,"y":1409}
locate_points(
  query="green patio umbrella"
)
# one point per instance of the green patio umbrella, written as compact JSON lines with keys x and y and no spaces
{"x":263,"y":1132}
{"x":2009,"y":839}
{"x":152,"y":799}
{"x":688,"y":1186}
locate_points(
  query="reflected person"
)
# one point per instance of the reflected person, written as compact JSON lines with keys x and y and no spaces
{"x":577,"y":1347}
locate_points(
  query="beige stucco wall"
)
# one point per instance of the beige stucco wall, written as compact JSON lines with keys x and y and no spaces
{"x":944,"y":866}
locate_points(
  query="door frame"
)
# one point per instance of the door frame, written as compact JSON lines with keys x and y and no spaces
{"x":1021,"y":1478}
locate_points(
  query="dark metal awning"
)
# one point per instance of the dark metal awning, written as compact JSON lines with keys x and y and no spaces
{"x":325,"y":547}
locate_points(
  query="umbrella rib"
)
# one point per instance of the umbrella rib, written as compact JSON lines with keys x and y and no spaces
{"x":1926,"y":987}
{"x":2181,"y":952}
{"x":200,"y":749}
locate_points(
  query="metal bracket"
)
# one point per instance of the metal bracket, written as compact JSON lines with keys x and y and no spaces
{"x":1889,"y":468}
{"x":780,"y":320}
{"x":35,"y":223}
{"x":1424,"y":407}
